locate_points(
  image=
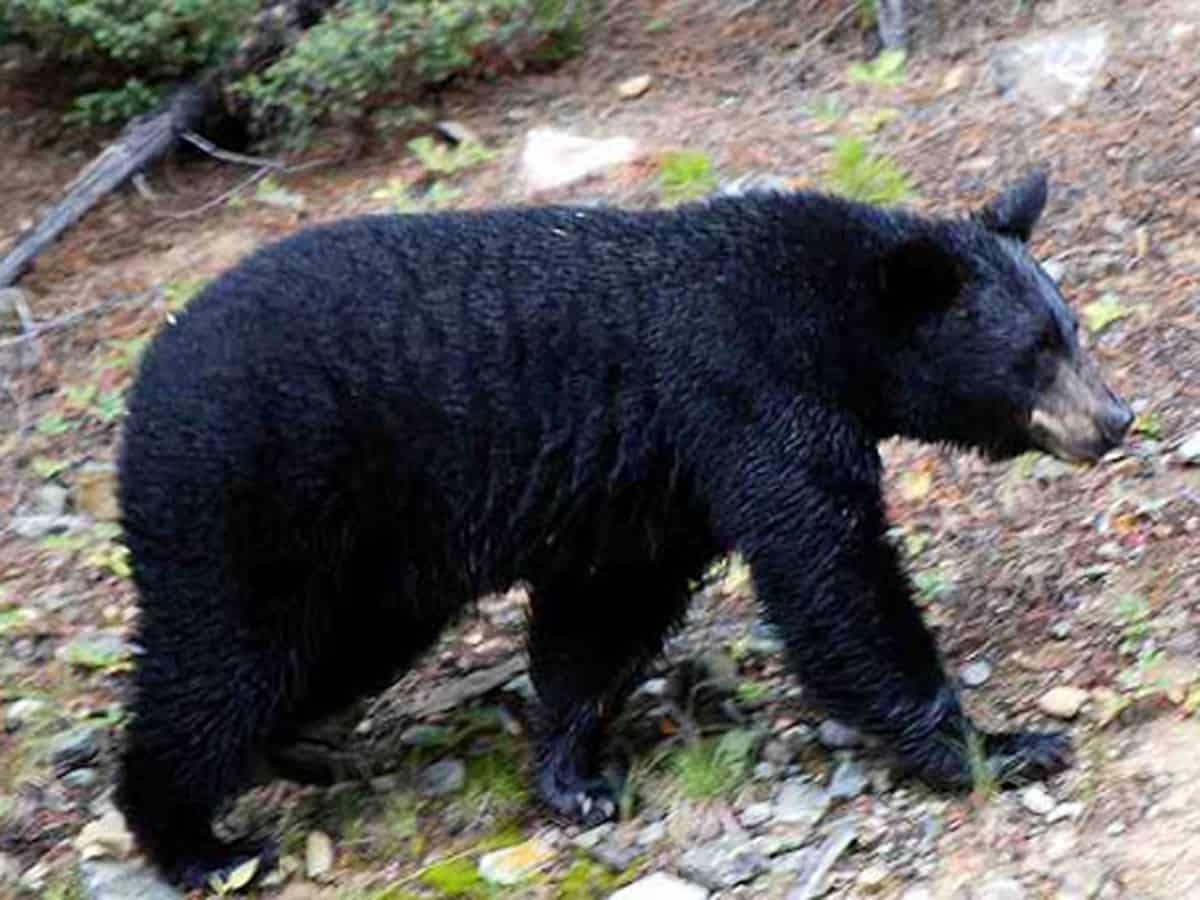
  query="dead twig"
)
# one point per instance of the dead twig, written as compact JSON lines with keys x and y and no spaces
{"x":207,"y":146}
{"x":36,"y":330}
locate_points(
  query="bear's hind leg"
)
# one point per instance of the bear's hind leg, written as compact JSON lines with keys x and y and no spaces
{"x":588,"y":640}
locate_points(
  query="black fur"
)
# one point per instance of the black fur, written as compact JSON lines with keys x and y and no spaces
{"x":357,"y":431}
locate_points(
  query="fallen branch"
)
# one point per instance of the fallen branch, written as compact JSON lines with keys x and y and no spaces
{"x":147,"y":138}
{"x":143,"y":141}
{"x":35,"y":330}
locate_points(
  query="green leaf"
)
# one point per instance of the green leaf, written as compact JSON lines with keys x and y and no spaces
{"x":886,"y":68}
{"x":1101,"y":313}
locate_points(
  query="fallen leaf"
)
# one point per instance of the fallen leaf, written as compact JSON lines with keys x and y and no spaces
{"x":1101,"y":313}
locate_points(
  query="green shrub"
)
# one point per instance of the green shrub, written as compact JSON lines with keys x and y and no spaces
{"x":360,"y":54}
{"x":859,"y":174}
{"x":366,"y":48}
{"x":154,"y":38}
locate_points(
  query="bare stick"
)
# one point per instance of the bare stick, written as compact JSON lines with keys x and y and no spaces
{"x":142,"y":141}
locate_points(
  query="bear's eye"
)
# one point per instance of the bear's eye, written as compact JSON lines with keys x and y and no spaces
{"x":1049,"y":339}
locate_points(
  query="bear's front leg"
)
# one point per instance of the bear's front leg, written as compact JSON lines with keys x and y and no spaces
{"x":810,"y":521}
{"x":588,"y":639}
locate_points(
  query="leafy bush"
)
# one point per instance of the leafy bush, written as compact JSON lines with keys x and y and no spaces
{"x":360,"y":53}
{"x":155,"y":38}
{"x":366,"y":48}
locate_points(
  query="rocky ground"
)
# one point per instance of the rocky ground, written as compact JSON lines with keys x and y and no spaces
{"x":1058,"y":594}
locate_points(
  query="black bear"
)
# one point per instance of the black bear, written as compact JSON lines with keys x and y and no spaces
{"x":355,"y":432}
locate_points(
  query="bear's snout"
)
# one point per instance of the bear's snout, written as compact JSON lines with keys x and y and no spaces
{"x":1079,"y":418}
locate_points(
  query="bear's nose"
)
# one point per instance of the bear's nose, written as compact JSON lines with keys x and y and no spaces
{"x":1115,"y":420}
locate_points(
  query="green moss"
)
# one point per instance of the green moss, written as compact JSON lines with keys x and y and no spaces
{"x":586,"y":880}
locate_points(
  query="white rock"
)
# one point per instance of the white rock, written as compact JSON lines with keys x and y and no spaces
{"x":1037,"y":800}
{"x":975,"y":674}
{"x":512,"y":865}
{"x":554,"y":158}
{"x":661,"y":886}
{"x":318,"y":855}
{"x":999,"y":889}
{"x":1189,"y":450}
{"x":1052,"y":71}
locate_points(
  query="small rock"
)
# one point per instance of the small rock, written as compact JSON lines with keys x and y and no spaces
{"x":836,"y":736}
{"x":586,"y":840}
{"x":456,"y":132}
{"x":111,"y":880}
{"x":849,"y":780}
{"x":106,"y":836}
{"x":1037,"y":800}
{"x":10,"y":870}
{"x":873,"y":878}
{"x":1189,"y":450}
{"x":36,"y":527}
{"x":917,"y":892}
{"x":21,"y":712}
{"x":778,"y":753}
{"x":553,"y":159}
{"x":661,"y":886}
{"x":12,"y":300}
{"x":777,"y":844}
{"x":318,"y":856}
{"x":1084,"y":881}
{"x":1116,"y":829}
{"x":634,"y":87}
{"x":976,"y":674}
{"x":1063,"y":702}
{"x":1072,"y":810}
{"x":512,"y":865}
{"x":1055,"y":269}
{"x":723,"y":863}
{"x":795,"y":862}
{"x":95,"y":650}
{"x":768,"y":643}
{"x":73,"y":749}
{"x":1060,"y":630}
{"x":49,"y":500}
{"x":614,"y":856}
{"x":999,"y":889}
{"x":655,"y":688}
{"x":756,"y":814}
{"x":764,"y":771}
{"x":813,"y":882}
{"x":80,"y":778}
{"x":651,"y":834}
{"x":96,"y":491}
{"x":1060,"y":844}
{"x":444,"y":777}
{"x":801,"y":803}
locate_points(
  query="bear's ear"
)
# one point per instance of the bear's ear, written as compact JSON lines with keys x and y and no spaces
{"x":1014,"y":212}
{"x":920,"y":276}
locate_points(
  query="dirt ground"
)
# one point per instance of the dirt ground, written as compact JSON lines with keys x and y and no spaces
{"x":1053,"y":576}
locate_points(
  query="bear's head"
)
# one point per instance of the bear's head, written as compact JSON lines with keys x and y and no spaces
{"x":982,"y":349}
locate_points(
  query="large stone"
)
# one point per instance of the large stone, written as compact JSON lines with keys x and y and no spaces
{"x":801,"y":803}
{"x":512,"y":865}
{"x":723,"y":863}
{"x":110,"y":880}
{"x":1053,"y":71}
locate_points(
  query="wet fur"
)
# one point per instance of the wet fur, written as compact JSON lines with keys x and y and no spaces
{"x":356,"y":432}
